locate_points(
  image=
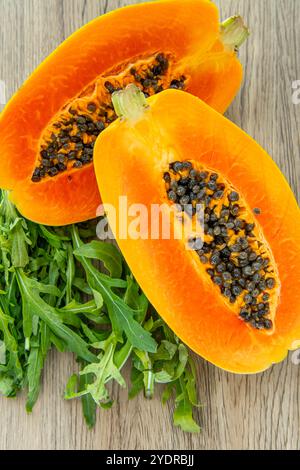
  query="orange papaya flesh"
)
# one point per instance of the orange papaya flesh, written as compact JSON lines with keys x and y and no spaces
{"x":237,"y":329}
{"x":48,"y":130}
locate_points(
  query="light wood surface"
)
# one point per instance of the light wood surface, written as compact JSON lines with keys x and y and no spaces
{"x":240,"y":412}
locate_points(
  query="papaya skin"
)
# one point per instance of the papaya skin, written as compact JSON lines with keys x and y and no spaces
{"x":179,"y":127}
{"x":191,"y":32}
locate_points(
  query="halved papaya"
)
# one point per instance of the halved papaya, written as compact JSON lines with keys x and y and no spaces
{"x":48,"y":130}
{"x":232,"y":293}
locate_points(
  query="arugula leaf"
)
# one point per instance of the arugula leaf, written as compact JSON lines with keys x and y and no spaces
{"x":170,"y":365}
{"x":76,"y":308}
{"x":7,"y":386}
{"x":121,"y":315}
{"x":137,"y":383}
{"x":70,"y":273}
{"x":16,"y":230}
{"x":53,"y":278}
{"x":136,"y":300}
{"x":81,"y":285}
{"x":183,"y":414}
{"x":11,"y":347}
{"x":89,"y":310}
{"x":53,"y":238}
{"x":98,"y":299}
{"x":105,"y":252}
{"x":2,"y":353}
{"x":102,"y":371}
{"x":45,"y":338}
{"x":35,"y":367}
{"x":35,"y":305}
{"x":92,"y":335}
{"x":111,"y":360}
{"x":71,"y":387}
{"x":89,"y":406}
{"x":166,"y":351}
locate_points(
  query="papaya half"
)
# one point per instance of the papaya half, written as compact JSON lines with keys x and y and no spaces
{"x":231,"y":291}
{"x":48,"y":129}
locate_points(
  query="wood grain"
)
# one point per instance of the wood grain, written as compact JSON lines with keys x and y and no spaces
{"x":240,"y":412}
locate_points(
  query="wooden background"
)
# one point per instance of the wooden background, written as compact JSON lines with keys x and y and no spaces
{"x":240,"y":412}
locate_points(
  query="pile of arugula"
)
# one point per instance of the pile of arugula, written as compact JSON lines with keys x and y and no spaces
{"x":54,"y":295}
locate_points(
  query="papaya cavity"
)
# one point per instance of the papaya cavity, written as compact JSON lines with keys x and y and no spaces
{"x":68,"y":141}
{"x":233,"y":251}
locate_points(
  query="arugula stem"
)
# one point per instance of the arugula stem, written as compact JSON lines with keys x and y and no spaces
{"x":122,"y":355}
{"x":149,"y":383}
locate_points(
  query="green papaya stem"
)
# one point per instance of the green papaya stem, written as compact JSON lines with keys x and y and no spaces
{"x":234,"y":32}
{"x":129,"y":103}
